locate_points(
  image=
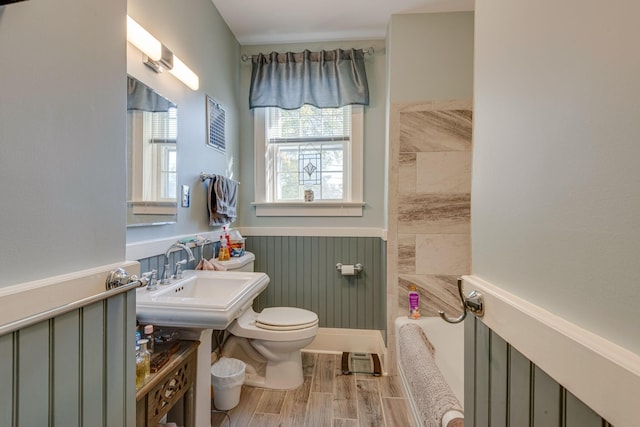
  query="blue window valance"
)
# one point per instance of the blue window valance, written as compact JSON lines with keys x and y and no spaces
{"x":325,"y":79}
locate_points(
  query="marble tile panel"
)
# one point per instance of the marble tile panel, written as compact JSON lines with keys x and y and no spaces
{"x":443,"y":254}
{"x":407,"y":173}
{"x":443,"y":172}
{"x":444,"y":130}
{"x":434,"y":213}
{"x":407,"y":253}
{"x":437,"y":292}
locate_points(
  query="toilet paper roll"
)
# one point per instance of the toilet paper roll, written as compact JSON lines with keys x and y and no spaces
{"x":348,"y":270}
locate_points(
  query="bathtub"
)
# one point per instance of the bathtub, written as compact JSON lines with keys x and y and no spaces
{"x":448,"y":340}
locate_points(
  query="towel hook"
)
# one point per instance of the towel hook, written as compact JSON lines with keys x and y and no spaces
{"x":474,"y":302}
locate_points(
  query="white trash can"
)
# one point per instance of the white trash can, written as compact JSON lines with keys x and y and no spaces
{"x":227,"y":377}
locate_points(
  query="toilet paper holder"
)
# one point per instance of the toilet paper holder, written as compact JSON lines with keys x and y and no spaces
{"x":357,"y":268}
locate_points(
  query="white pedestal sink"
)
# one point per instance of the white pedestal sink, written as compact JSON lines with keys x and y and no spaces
{"x":201,"y":299}
{"x":200,"y":302}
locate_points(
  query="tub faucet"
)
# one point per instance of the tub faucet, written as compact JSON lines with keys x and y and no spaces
{"x":184,"y":247}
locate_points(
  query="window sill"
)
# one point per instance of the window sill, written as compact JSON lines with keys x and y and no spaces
{"x":319,"y":208}
{"x":154,"y":208}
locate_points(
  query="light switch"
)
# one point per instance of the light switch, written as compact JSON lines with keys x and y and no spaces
{"x":186,"y":195}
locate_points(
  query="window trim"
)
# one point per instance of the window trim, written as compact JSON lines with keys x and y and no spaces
{"x":351,"y":207}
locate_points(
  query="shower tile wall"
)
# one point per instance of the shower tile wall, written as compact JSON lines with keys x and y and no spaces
{"x":429,"y":205}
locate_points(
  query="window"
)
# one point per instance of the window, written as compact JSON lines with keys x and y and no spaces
{"x":309,"y":148}
{"x":162,"y":156}
{"x":154,"y":161}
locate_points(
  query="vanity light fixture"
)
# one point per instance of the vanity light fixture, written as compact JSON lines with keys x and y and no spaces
{"x":159,"y":57}
{"x":184,"y":74}
{"x":140,"y":38}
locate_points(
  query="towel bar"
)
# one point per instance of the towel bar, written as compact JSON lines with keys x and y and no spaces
{"x":205,"y":176}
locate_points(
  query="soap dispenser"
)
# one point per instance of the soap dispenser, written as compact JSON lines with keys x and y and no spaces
{"x":223,"y":254}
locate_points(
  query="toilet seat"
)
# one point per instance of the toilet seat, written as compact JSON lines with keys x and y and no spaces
{"x":278,"y":324}
{"x":285,"y":319}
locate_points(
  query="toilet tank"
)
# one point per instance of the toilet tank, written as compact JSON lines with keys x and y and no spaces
{"x":241,"y":263}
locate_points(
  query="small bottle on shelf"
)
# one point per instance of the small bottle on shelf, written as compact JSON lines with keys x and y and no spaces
{"x":139,"y":368}
{"x":146,"y":357}
{"x":148,"y":334}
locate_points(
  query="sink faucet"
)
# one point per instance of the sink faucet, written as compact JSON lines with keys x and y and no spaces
{"x":166,"y":277}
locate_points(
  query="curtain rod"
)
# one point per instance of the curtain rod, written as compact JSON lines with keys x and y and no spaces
{"x":368,"y":51}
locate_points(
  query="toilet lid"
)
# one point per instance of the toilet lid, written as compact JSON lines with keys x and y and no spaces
{"x":286,"y":318}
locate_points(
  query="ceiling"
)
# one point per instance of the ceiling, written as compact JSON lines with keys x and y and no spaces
{"x":294,"y":21}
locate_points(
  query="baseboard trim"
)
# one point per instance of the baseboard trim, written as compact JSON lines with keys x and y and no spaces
{"x":339,"y":340}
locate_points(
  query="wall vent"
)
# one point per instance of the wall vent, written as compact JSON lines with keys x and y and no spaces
{"x":216,"y":125}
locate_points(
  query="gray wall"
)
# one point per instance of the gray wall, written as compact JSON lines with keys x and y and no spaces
{"x":62,"y":126}
{"x":555,"y":203}
{"x":62,"y":137}
{"x":194,"y":31}
{"x":63,"y":185}
{"x":373,"y":151}
{"x":430,"y":56}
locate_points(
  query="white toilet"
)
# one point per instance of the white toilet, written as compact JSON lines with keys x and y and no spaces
{"x":269,"y":342}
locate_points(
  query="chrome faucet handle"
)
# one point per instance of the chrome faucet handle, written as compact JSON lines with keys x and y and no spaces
{"x":166,"y":275}
{"x":152,"y":285}
{"x":179,"y":265}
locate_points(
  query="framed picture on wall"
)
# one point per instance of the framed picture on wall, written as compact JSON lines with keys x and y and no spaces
{"x":216,"y":125}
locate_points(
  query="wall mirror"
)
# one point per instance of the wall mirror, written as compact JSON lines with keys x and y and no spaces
{"x":152,"y":141}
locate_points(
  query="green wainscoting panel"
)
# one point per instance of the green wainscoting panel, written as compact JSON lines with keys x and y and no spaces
{"x":75,"y":369}
{"x":7,"y":384}
{"x":303,"y":274}
{"x":520,"y":374}
{"x":93,"y":362}
{"x":469,"y":366}
{"x":66,"y":360}
{"x":578,"y":414}
{"x":33,"y":375}
{"x":129,"y":386}
{"x":546,"y":400}
{"x":499,"y":381}
{"x":120,"y":360}
{"x":504,"y":388}
{"x":483,"y":369}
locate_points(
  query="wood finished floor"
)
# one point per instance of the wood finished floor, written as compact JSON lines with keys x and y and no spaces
{"x":325,"y":399}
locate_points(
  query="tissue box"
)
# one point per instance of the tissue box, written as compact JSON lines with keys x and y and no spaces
{"x":236,"y":247}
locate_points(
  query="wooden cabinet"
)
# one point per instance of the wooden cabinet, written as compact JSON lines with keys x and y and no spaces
{"x":163,"y":389}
